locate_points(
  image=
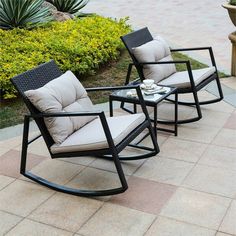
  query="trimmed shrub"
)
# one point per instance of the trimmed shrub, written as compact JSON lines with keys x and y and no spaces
{"x":80,"y":45}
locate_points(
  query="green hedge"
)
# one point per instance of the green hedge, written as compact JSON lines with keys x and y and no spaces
{"x":80,"y":45}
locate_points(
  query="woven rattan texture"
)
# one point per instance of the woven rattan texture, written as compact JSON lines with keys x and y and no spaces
{"x":136,"y":38}
{"x":36,"y":77}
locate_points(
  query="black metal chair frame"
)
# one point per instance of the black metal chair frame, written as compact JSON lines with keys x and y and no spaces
{"x":142,"y":36}
{"x":37,"y":78}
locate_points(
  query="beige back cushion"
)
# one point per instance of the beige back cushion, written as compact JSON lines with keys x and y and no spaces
{"x":63,"y":94}
{"x":155,"y":51}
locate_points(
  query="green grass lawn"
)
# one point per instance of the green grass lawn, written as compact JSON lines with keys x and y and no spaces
{"x":12,"y":111}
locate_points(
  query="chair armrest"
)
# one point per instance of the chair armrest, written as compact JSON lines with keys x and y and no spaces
{"x":64,"y":114}
{"x":197,"y":49}
{"x":189,"y":49}
{"x":111,"y":88}
{"x":139,"y":93}
{"x":162,"y":62}
{"x":129,"y":71}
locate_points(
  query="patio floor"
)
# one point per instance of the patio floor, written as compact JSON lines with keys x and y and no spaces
{"x":189,"y":188}
{"x":182,"y":23}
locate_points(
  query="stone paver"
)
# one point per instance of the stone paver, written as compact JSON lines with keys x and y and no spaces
{"x":223,"y":234}
{"x":57,"y":171}
{"x":198,"y":133}
{"x":136,"y":196}
{"x":28,"y":227}
{"x":165,"y":170}
{"x":228,"y":225}
{"x":10,"y":163}
{"x":66,"y":212}
{"x":214,"y":118}
{"x":38,"y":147}
{"x":197,"y":208}
{"x":226,"y":138}
{"x":10,"y":143}
{"x":91,"y":178}
{"x":219,"y":181}
{"x":220,"y":106}
{"x":179,"y":149}
{"x":5,"y":180}
{"x":169,"y":227}
{"x":230,"y":82}
{"x":3,"y":150}
{"x":221,"y":157}
{"x":230,"y":123}
{"x":128,"y":167}
{"x":116,"y":220}
{"x":8,"y":221}
{"x":22,"y":197}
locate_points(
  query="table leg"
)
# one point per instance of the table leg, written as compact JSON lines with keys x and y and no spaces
{"x":176,"y":113}
{"x":155,"y":120}
{"x":111,"y":107}
{"x":135,"y":108}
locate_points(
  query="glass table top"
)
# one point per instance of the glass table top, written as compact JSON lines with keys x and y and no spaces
{"x":152,"y":95}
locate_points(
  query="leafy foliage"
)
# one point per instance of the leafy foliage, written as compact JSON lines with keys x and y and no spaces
{"x":22,"y":13}
{"x":80,"y":45}
{"x":70,"y":6}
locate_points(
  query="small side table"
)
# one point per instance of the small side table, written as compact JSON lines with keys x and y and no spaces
{"x":151,"y":101}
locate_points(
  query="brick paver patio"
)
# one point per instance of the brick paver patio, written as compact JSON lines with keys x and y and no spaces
{"x":189,"y":188}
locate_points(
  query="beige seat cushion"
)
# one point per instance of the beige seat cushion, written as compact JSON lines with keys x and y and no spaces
{"x":63,"y":94}
{"x":155,"y":51}
{"x":92,"y":136}
{"x":181,"y":79}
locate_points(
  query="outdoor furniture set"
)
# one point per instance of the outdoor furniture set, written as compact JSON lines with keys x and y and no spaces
{"x":66,"y":117}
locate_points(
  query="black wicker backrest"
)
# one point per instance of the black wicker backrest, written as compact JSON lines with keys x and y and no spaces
{"x":136,"y":39}
{"x":33,"y":79}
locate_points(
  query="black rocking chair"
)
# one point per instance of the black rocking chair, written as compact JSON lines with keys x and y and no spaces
{"x":37,"y":78}
{"x":142,"y":37}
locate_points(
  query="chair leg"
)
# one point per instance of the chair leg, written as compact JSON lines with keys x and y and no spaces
{"x":194,"y":119}
{"x":78,"y":192}
{"x":119,"y":169}
{"x":198,"y":103}
{"x":154,"y":138}
{"x":24,"y":145}
{"x":218,"y":99}
{"x":221,"y":96}
{"x":152,"y":151}
{"x":64,"y":189}
{"x":219,"y":87}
